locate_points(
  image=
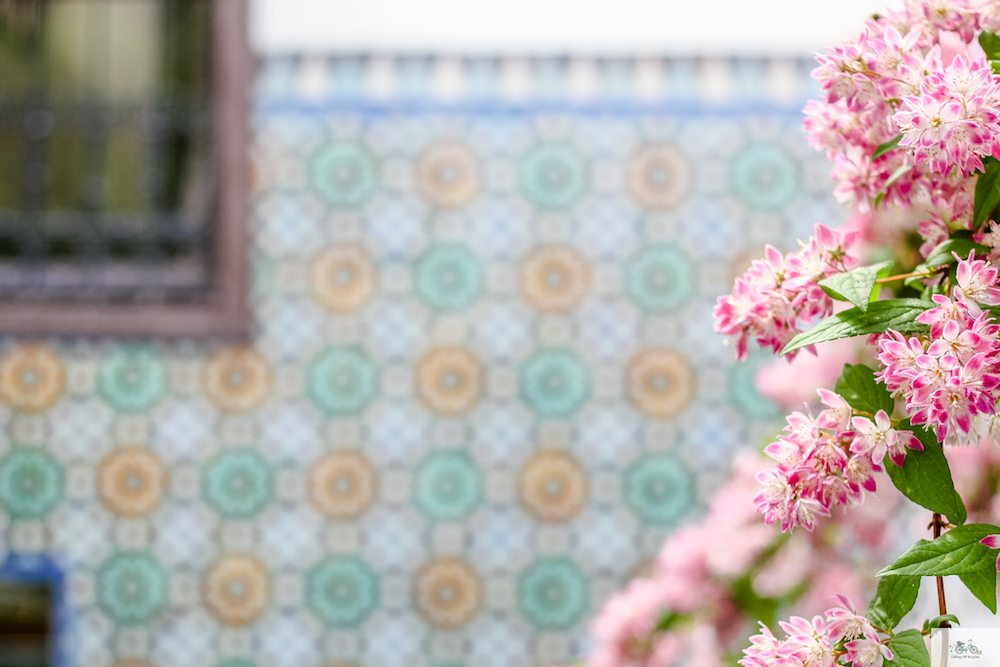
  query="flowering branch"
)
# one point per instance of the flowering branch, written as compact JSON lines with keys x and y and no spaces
{"x":910,"y":118}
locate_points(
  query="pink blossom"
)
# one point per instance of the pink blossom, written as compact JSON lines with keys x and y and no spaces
{"x":838,"y":413}
{"x":843,"y":621}
{"x":810,"y":643}
{"x":779,"y":293}
{"x":976,"y":281}
{"x":876,"y":439}
{"x":950,"y":382}
{"x":867,"y":651}
{"x":993,"y":542}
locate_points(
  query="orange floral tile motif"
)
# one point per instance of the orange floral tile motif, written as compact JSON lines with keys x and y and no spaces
{"x":343,"y":485}
{"x":32,"y":377}
{"x":660,"y":382}
{"x":448,"y":593}
{"x":237,"y":379}
{"x":553,"y":486}
{"x":236,"y":589}
{"x":658,"y":177}
{"x":131,"y":481}
{"x":448,"y":175}
{"x":450,"y":380}
{"x":343,"y":278}
{"x":555,"y":279}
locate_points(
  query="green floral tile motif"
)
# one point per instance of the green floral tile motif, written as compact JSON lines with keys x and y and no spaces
{"x":132,"y":378}
{"x":342,"y":590}
{"x":660,"y":489}
{"x":31,"y":483}
{"x":743,"y":392}
{"x":344,"y":174}
{"x":132,"y":588}
{"x":238,"y":483}
{"x":555,"y":383}
{"x":449,"y":486}
{"x":449,"y":277}
{"x":553,"y":175}
{"x":764,"y":176}
{"x":553,"y":593}
{"x":342,"y":381}
{"x":661,"y":279}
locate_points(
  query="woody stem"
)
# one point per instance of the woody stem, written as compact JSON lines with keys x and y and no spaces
{"x":942,"y":607}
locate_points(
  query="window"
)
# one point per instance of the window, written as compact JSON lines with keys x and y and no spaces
{"x":33,"y":612}
{"x":123,"y":184}
{"x":25,"y":623}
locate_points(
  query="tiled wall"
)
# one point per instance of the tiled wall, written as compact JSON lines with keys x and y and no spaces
{"x":482,"y":389}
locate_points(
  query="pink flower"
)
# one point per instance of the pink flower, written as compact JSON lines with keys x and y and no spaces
{"x":624,"y":626}
{"x":990,"y":239}
{"x":867,"y":651}
{"x":876,"y":439}
{"x":838,"y":413}
{"x":779,"y":293}
{"x":976,"y":281}
{"x":993,"y":542}
{"x":810,"y":643}
{"x":843,"y":621}
{"x":950,"y":384}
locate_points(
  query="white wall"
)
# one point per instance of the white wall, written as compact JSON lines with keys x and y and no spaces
{"x":612,"y":27}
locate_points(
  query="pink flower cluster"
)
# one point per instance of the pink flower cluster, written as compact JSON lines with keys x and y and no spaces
{"x":826,"y":462}
{"x":953,"y":122}
{"x":951,"y":380}
{"x":693,"y":578}
{"x":688,"y":578}
{"x":919,"y":72}
{"x":812,"y":643}
{"x":780,"y":292}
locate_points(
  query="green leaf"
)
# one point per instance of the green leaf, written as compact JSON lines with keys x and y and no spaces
{"x":898,"y":314}
{"x":896,"y":175}
{"x":991,"y":44}
{"x":983,"y":584}
{"x":908,"y":650}
{"x":883,"y":273}
{"x":855,"y":286}
{"x":938,"y":620}
{"x":893,"y":600}
{"x":956,"y":552}
{"x":887,"y":147}
{"x":942,"y":253}
{"x":858,"y":386}
{"x":752,"y":604}
{"x":987,"y":191}
{"x":671,"y":619}
{"x":925,"y":477}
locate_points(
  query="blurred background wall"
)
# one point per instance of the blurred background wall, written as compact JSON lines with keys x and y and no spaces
{"x":481,"y":386}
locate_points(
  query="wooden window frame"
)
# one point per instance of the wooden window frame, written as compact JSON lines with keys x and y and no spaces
{"x":224,"y":310}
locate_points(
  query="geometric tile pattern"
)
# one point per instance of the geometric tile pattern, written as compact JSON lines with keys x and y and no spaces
{"x":482,"y":390}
